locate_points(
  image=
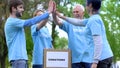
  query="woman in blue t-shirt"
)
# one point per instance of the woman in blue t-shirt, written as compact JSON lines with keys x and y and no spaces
{"x":96,"y":35}
{"x":41,"y":39}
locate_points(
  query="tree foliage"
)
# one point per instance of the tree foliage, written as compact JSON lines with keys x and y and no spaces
{"x":111,"y":18}
{"x":3,"y":46}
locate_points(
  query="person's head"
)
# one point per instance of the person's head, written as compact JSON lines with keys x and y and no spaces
{"x":78,"y":11}
{"x":16,"y":7}
{"x":38,"y":12}
{"x":93,"y":6}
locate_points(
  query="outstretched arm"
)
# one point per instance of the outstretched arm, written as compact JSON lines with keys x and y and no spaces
{"x":37,"y":19}
{"x":74,"y":21}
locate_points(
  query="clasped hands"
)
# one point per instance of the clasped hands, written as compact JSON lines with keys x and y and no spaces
{"x":52,"y":8}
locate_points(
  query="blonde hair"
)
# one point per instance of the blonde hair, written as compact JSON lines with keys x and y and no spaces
{"x":35,"y":13}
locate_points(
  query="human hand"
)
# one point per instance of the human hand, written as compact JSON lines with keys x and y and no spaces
{"x":94,"y":65}
{"x":54,"y":8}
{"x":51,"y":6}
{"x":58,"y":14}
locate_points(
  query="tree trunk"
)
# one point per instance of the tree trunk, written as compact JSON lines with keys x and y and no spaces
{"x":2,"y":62}
{"x":3,"y":49}
{"x":53,"y":34}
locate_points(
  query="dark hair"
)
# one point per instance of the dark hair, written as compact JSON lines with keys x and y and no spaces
{"x":96,"y":4}
{"x":14,"y":3}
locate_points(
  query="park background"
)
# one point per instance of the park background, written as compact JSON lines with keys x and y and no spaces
{"x":110,"y":13}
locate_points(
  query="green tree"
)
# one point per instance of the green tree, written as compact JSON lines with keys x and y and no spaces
{"x":3,"y":46}
{"x":110,"y":15}
{"x":111,"y":18}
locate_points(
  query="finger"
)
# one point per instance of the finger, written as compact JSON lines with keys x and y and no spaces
{"x":57,"y":12}
{"x":54,"y":6}
{"x":50,"y":6}
{"x":50,"y":2}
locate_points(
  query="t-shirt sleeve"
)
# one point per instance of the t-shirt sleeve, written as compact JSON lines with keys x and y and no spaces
{"x":95,"y":27}
{"x":64,"y":26}
{"x":18,"y":23}
{"x":33,"y":30}
{"x":85,"y":21}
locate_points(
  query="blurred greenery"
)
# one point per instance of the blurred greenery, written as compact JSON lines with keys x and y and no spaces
{"x":109,"y":12}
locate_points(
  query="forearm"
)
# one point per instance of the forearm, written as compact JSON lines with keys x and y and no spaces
{"x":74,"y":21}
{"x":41,"y":24}
{"x":56,"y":20}
{"x":36,"y":19}
{"x":97,"y":48}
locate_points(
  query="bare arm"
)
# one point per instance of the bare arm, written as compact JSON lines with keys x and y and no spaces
{"x":41,"y":24}
{"x":50,"y":10}
{"x":56,"y":19}
{"x":60,"y":16}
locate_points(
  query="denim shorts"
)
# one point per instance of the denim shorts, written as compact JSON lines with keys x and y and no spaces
{"x":19,"y":63}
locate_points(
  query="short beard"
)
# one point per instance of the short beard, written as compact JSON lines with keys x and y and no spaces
{"x":18,"y":14}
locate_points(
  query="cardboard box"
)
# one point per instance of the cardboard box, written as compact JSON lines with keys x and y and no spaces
{"x":57,"y":58}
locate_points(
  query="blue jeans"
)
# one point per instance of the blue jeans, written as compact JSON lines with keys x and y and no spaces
{"x":81,"y":65}
{"x":37,"y":66}
{"x":19,"y":63}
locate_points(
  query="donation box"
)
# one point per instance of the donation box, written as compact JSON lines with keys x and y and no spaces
{"x":57,"y":58}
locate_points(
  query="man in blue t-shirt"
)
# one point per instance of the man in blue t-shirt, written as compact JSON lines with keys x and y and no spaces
{"x":14,"y":32}
{"x":76,"y":39}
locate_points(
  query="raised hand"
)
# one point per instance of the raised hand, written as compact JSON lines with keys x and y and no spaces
{"x":60,"y":16}
{"x":54,"y":8}
{"x":51,"y":6}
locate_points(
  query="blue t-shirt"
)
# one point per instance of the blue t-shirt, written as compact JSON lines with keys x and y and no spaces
{"x":15,"y":39}
{"x":95,"y":26}
{"x":76,"y":42}
{"x":42,"y":39}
